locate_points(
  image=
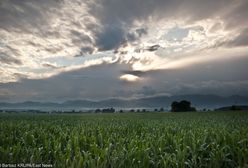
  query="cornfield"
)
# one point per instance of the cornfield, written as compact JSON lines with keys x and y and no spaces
{"x":207,"y":139}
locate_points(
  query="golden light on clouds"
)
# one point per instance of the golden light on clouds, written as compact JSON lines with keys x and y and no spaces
{"x":51,"y":43}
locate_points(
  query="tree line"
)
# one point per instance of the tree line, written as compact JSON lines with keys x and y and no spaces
{"x":181,"y":106}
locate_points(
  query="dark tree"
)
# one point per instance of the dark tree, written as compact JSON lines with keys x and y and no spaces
{"x":181,"y":106}
{"x":174,"y":106}
{"x":161,"y":109}
{"x":108,"y":110}
{"x":233,"y":107}
{"x":98,"y":111}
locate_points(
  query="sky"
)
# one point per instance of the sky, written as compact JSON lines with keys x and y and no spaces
{"x":58,"y":50}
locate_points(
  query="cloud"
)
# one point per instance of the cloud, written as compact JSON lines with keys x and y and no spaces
{"x":129,"y":78}
{"x":147,"y":91}
{"x":6,"y":59}
{"x":22,"y":15}
{"x":224,"y":88}
{"x":111,"y":37}
{"x":235,"y":16}
{"x":79,"y":83}
{"x":153,"y":48}
{"x":135,"y":73}
{"x":49,"y":65}
{"x":240,"y":40}
{"x":102,"y":81}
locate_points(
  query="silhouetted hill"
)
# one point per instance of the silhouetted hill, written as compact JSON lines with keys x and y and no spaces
{"x":232,"y":108}
{"x":199,"y":101}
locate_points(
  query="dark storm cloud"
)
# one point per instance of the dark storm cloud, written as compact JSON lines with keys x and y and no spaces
{"x":236,"y":17}
{"x":130,"y":10}
{"x":78,"y":37}
{"x":83,"y":83}
{"x":101,"y":82}
{"x":21,"y":15}
{"x":136,"y":73}
{"x":114,"y":35}
{"x":115,"y":18}
{"x":123,"y":14}
{"x":224,"y":88}
{"x":144,"y":91}
{"x":214,"y":78}
{"x":7,"y":59}
{"x":147,"y":91}
{"x":240,"y":40}
{"x":111,"y":37}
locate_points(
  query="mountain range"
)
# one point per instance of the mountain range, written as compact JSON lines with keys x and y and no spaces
{"x":198,"y":101}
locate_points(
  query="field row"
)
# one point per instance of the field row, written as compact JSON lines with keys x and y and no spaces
{"x":213,"y":139}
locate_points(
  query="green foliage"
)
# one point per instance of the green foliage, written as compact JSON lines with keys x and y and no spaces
{"x":187,"y":140}
{"x":182,"y":106}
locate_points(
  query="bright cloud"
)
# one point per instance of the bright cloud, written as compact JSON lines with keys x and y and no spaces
{"x":129,"y":78}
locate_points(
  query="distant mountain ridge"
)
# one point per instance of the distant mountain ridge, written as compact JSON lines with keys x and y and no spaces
{"x":199,"y":101}
{"x":232,"y":108}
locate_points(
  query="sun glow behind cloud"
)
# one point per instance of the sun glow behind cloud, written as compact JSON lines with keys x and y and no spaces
{"x":129,"y":78}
